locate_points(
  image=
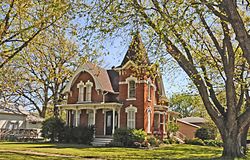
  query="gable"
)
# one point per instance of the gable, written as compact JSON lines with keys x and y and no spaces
{"x":99,"y":75}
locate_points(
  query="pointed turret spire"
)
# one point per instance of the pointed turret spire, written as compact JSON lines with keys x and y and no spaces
{"x":136,"y":51}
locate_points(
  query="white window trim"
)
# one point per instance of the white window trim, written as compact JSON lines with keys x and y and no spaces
{"x":90,"y":112}
{"x":80,"y":86}
{"x":149,"y":119}
{"x":127,"y":81}
{"x":127,"y":110}
{"x":90,"y":85}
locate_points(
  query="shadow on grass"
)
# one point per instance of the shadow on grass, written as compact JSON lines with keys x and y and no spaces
{"x":170,"y":152}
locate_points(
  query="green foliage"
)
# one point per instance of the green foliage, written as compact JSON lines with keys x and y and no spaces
{"x":187,"y":105}
{"x":169,"y":141}
{"x":215,"y":143}
{"x":172,"y":129}
{"x":195,"y":141}
{"x":81,"y":135}
{"x":138,"y":135}
{"x":129,"y":137}
{"x":52,"y":129}
{"x":206,"y":133}
{"x":122,"y":135}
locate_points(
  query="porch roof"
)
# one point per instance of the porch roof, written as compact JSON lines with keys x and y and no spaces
{"x":161,"y":107}
{"x":91,"y":105}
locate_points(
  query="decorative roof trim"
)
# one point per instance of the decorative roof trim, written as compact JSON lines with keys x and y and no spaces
{"x":75,"y":76}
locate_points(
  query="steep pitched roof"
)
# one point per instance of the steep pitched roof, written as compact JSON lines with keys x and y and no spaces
{"x":114,"y":79}
{"x":99,"y":74}
{"x":136,"y":51}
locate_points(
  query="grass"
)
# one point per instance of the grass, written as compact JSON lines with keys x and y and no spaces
{"x":173,"y":152}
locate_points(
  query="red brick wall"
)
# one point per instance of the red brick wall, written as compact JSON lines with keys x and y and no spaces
{"x":187,"y":130}
{"x":83,"y":118}
{"x":141,"y":101}
{"x":99,"y":121}
{"x":84,"y":77}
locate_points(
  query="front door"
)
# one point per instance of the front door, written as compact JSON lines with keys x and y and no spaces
{"x":109,"y":122}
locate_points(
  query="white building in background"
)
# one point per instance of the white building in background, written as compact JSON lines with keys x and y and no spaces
{"x":14,"y":116}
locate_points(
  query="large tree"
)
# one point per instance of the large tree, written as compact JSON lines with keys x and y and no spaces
{"x":210,"y":42}
{"x":43,"y":70}
{"x":23,"y":20}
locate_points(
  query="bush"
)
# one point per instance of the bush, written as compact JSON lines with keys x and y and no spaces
{"x":138,"y":135}
{"x":82,"y":135}
{"x":128,"y":137}
{"x":123,"y":136}
{"x":209,"y":131}
{"x":195,"y":141}
{"x":169,"y":141}
{"x":214,"y":143}
{"x":205,"y":133}
{"x":52,"y":129}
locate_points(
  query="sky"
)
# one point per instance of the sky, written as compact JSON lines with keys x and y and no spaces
{"x":175,"y":80}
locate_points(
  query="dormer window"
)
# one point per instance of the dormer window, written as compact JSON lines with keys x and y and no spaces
{"x":131,"y":89}
{"x":80,"y":86}
{"x":89,"y":86}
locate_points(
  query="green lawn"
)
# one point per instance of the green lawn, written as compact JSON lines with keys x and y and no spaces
{"x":178,"y":151}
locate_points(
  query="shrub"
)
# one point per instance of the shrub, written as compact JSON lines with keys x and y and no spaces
{"x":82,"y":135}
{"x":128,"y":137}
{"x":52,"y":129}
{"x":214,"y":143}
{"x":169,"y":141}
{"x":122,"y":135}
{"x":152,"y":140}
{"x":205,"y":133}
{"x":195,"y":141}
{"x":138,"y":135}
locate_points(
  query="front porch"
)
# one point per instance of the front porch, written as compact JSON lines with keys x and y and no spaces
{"x":104,"y":116}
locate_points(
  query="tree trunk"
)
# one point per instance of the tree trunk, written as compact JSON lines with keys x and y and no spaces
{"x":244,"y":139}
{"x":232,"y":147}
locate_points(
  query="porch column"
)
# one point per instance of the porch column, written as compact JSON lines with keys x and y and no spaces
{"x":113,"y":129}
{"x":119,"y":118}
{"x":104,"y":122}
{"x":159,"y":121}
{"x":94,"y":112}
{"x":164,"y":122}
{"x":67,"y":117}
{"x":76,"y":118}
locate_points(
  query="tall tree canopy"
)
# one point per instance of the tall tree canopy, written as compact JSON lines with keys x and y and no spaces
{"x":208,"y":39}
{"x":187,"y":105}
{"x":23,"y":20}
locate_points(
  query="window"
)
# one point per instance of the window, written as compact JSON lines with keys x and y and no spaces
{"x":90,"y":118}
{"x":131,"y":88}
{"x":88,"y":90}
{"x":80,"y":86}
{"x":149,"y":91}
{"x":131,"y":116}
{"x":149,"y":119}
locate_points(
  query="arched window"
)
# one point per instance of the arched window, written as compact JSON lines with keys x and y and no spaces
{"x":80,"y":86}
{"x":131,"y":116}
{"x":131,"y":89}
{"x":149,"y":119}
{"x":89,"y":86}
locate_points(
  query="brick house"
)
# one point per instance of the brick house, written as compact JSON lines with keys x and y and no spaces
{"x":131,"y":95}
